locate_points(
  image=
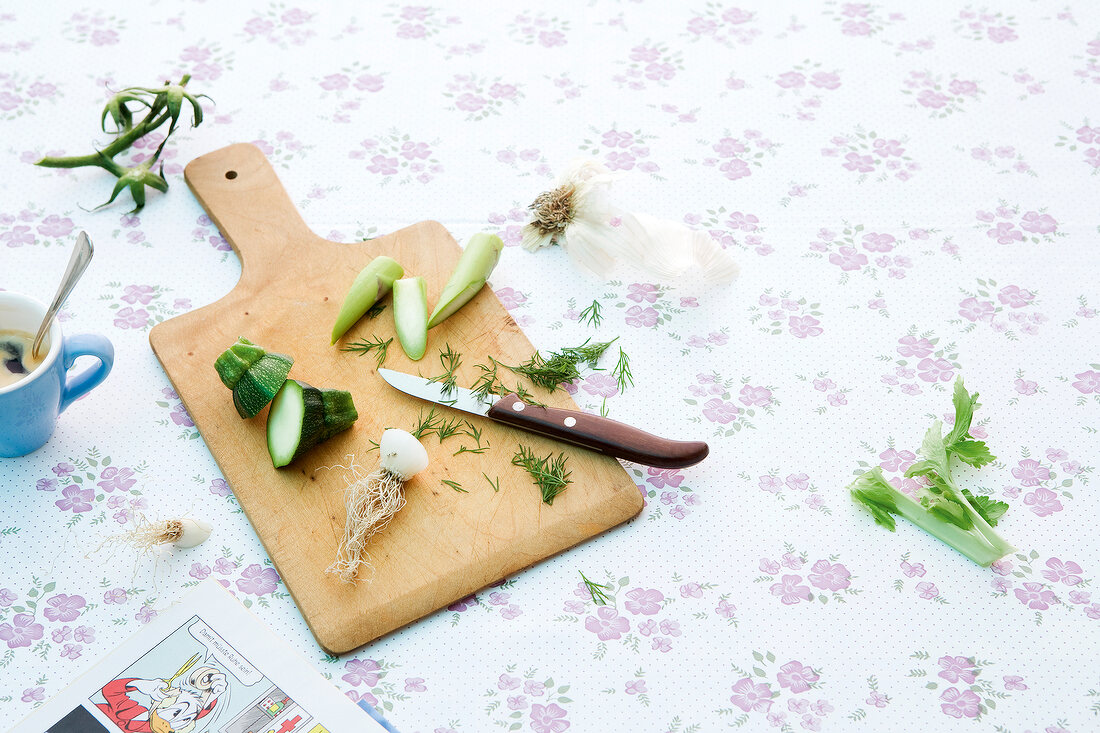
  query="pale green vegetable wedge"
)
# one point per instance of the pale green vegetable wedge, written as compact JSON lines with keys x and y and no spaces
{"x":410,"y":315}
{"x":474,"y":267}
{"x":370,"y":286}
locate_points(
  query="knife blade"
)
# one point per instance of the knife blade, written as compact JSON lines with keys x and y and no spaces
{"x":594,"y":432}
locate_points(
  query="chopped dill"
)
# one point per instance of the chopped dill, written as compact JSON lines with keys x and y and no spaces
{"x":474,"y":432}
{"x":549,"y":473}
{"x":621,"y":372}
{"x":450,"y":361}
{"x":448,"y":428}
{"x":599,"y":594}
{"x":560,"y":367}
{"x":364,"y":346}
{"x":426,"y":425}
{"x":495,"y":485}
{"x":592,"y":315}
{"x":454,"y":485}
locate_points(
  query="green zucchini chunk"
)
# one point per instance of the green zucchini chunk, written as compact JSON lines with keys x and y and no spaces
{"x":370,"y":285}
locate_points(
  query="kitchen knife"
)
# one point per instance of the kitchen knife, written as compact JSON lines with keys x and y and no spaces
{"x":600,"y":434}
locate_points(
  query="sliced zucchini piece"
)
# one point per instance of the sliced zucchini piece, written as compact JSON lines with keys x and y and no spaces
{"x":474,"y":267}
{"x":370,"y":286}
{"x":302,"y":416}
{"x":236,"y":360}
{"x":410,"y":315}
{"x":260,"y":384}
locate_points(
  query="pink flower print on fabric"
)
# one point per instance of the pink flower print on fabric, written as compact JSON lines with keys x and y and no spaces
{"x":975,"y":310}
{"x":957,"y":668}
{"x":607,"y":624}
{"x":758,"y":396}
{"x":935,"y":370}
{"x":1068,"y":573}
{"x":1037,"y":223}
{"x":927,"y":590}
{"x":912,"y":346}
{"x":750,"y":696}
{"x":914,"y":570}
{"x":643,"y":601}
{"x":796,"y":677}
{"x":1087,"y":382}
{"x":790,"y":592}
{"x":804,"y":326}
{"x":64,"y":608}
{"x":21,"y":631}
{"x":548,"y":718}
{"x":1034,"y":595}
{"x":1030,"y":472}
{"x":361,"y":672}
{"x":829,"y":576}
{"x":957,"y":704}
{"x":1005,"y":233}
{"x":848,"y":258}
{"x":1043,"y":502}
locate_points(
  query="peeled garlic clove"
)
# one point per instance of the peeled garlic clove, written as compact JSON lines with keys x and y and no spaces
{"x":194,"y":532}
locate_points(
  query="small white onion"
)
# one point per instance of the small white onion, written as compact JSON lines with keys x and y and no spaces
{"x":195,"y":532}
{"x":401,"y":454}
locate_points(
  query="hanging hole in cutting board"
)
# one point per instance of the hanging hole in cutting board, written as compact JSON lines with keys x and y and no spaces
{"x":231,"y":175}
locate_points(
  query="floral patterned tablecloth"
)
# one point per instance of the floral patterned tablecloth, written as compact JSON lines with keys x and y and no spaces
{"x":911,"y":189}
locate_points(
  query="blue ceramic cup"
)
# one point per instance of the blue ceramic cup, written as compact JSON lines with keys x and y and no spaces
{"x":29,"y":407}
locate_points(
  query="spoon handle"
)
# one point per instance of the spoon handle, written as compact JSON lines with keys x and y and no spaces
{"x":78,"y":263}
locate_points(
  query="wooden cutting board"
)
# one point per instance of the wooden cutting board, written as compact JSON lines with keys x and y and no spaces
{"x":444,"y":545}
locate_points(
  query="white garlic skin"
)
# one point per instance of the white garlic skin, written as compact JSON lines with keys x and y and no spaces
{"x":194,"y":532}
{"x":401,"y":454}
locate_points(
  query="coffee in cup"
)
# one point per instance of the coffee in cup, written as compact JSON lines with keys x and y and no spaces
{"x":16,"y":359}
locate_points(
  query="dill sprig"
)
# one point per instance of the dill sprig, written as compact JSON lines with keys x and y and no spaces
{"x":426,"y":425}
{"x":450,"y":361}
{"x":474,"y":432}
{"x":448,"y":428}
{"x":488,"y":385}
{"x":364,"y":347}
{"x":621,"y":372}
{"x":375,"y":310}
{"x":560,"y":367}
{"x":599,"y":592}
{"x":549,"y":473}
{"x":454,"y":485}
{"x":548,"y":373}
{"x":588,"y":353}
{"x":495,"y":485}
{"x":592,"y":314}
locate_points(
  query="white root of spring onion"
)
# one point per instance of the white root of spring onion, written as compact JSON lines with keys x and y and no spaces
{"x":373,"y":499}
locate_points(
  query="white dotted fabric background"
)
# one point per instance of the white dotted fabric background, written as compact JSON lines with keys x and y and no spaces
{"x":911,"y":195}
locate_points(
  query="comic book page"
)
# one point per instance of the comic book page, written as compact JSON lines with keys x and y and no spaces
{"x":206,"y":665}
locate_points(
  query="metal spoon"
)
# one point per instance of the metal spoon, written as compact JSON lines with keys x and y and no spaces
{"x":78,"y":263}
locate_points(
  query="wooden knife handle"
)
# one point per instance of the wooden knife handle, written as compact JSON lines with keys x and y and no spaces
{"x":600,"y":434}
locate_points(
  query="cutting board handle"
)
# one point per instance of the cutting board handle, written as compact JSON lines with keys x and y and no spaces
{"x":245,"y":199}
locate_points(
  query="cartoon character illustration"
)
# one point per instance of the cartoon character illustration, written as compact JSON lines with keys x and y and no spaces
{"x":158,"y":706}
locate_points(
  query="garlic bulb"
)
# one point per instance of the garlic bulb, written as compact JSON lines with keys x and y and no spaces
{"x":580,"y":216}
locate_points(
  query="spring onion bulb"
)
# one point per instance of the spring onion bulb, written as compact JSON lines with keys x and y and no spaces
{"x":373,"y":499}
{"x":159,"y":536}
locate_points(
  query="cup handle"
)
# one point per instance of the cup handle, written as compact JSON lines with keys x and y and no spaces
{"x":78,"y":385}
